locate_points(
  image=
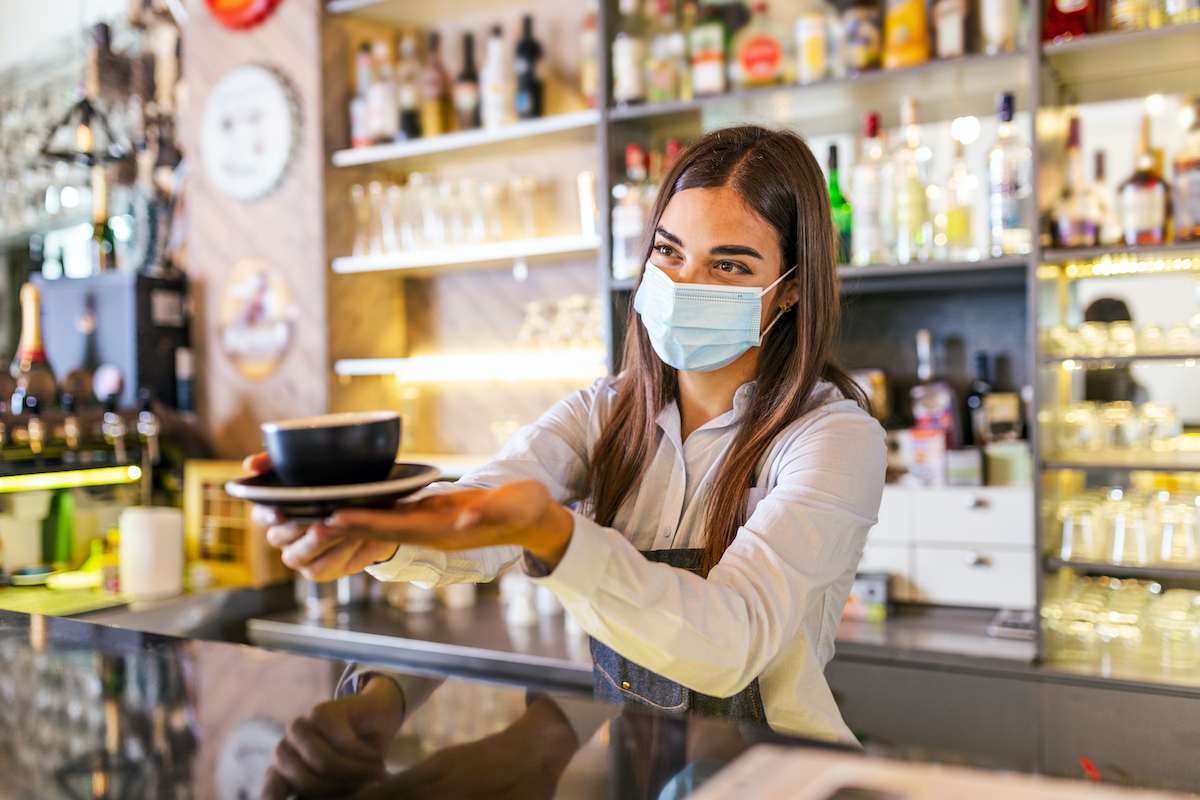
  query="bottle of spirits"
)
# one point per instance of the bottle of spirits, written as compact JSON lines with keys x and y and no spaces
{"x":1072,"y":215}
{"x":408,"y":89}
{"x":1187,"y":182}
{"x":867,"y":242}
{"x":589,"y":55}
{"x":998,"y":24}
{"x":1144,"y":197}
{"x":1067,"y":19}
{"x":437,"y":112}
{"x":758,"y":53}
{"x":976,"y":427}
{"x":495,"y":84}
{"x":913,"y":228}
{"x":360,"y":127}
{"x":862,"y":27}
{"x":104,"y":241}
{"x":628,"y":215}
{"x":818,"y":36}
{"x":707,"y":45}
{"x":1008,"y":185}
{"x":1102,"y":208}
{"x":629,"y":55}
{"x":842,"y":213}
{"x":30,"y":369}
{"x":960,"y":208}
{"x":466,"y":89}
{"x":383,"y":116}
{"x":529,"y":81}
{"x":663,"y":76}
{"x":950,"y":27}
{"x":905,"y":34}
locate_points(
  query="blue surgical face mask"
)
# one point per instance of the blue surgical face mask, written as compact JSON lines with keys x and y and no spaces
{"x":696,"y":327}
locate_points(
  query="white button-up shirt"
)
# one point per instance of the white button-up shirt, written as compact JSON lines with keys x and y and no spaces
{"x":768,"y":610}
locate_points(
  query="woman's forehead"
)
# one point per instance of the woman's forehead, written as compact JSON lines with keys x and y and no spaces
{"x":704,"y":218}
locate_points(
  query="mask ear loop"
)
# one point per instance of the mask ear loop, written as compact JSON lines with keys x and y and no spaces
{"x":783,"y":310}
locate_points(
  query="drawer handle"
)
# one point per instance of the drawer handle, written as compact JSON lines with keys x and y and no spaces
{"x":971,"y":501}
{"x":977,"y":560}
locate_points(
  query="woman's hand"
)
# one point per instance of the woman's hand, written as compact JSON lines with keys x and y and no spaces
{"x":338,"y":748}
{"x":520,"y":513}
{"x":318,"y":560}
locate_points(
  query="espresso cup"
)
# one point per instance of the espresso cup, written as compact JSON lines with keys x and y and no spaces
{"x":333,"y":449}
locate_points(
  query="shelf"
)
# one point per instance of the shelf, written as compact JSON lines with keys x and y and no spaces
{"x":1121,"y":64}
{"x":1108,"y":362}
{"x":467,"y":257}
{"x":1147,"y":252}
{"x":947,"y":89}
{"x":20,"y":236}
{"x":991,"y":273}
{"x":1116,"y":571}
{"x":536,"y":135}
{"x":571,"y":365}
{"x":1174,"y":461}
{"x":408,"y":13}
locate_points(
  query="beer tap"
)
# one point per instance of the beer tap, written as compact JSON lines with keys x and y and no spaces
{"x":71,"y":429}
{"x":148,"y":427}
{"x":114,"y":429}
{"x":36,"y":428}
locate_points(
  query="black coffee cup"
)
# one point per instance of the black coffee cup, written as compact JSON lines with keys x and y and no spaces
{"x":333,"y":449}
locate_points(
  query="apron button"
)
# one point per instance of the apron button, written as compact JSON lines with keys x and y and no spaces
{"x":624,"y":684}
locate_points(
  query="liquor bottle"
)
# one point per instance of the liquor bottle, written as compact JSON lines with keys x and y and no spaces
{"x":529,"y":82}
{"x":1008,"y":185}
{"x":1067,"y":19}
{"x":1144,"y":197}
{"x":1072,"y":218}
{"x":905,"y":34}
{"x":679,"y":49}
{"x":842,"y":213}
{"x":628,"y":57}
{"x":495,"y":85}
{"x":466,"y":89}
{"x":868,"y":244}
{"x":914,"y":231}
{"x":360,"y":126}
{"x":934,"y":401}
{"x":589,"y":55}
{"x":30,"y":369}
{"x":408,"y":89}
{"x":1102,"y":207}
{"x":383,"y":115}
{"x":707,"y":46}
{"x":950,"y":26}
{"x":960,"y":207}
{"x":975,"y":424}
{"x":437,"y":112}
{"x":818,"y":43}
{"x":758,"y":53}
{"x":862,"y":27}
{"x":628,"y":215}
{"x":662,"y":67}
{"x":998,"y":24}
{"x":103,"y":244}
{"x":1187,"y":182}
{"x":1129,"y":14}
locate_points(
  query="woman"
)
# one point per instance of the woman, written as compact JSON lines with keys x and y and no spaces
{"x":725,"y":480}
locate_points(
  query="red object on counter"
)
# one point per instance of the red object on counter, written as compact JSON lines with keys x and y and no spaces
{"x":241,"y":15}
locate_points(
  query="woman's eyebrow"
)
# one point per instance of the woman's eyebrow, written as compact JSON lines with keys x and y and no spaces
{"x":666,"y":234}
{"x":735,"y":250}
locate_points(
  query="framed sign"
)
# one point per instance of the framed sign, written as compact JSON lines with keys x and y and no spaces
{"x":250,"y":132}
{"x":241,"y":14}
{"x":257,"y":317}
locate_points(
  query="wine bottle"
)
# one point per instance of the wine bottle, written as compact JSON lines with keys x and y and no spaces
{"x":30,"y":369}
{"x":466,"y":88}
{"x":841,"y":208}
{"x":529,"y":84}
{"x":437,"y":115}
{"x":1144,"y":197}
{"x":1009,"y":185}
{"x":981,"y":387}
{"x":495,"y":84}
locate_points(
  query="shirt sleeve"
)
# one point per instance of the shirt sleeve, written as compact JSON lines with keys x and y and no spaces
{"x":552,"y":451}
{"x":716,"y":635}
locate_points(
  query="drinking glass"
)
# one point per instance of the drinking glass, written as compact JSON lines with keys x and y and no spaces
{"x":1152,"y":341}
{"x":1081,"y":530}
{"x":1061,"y":342}
{"x":1179,"y":542}
{"x":1128,"y":538}
{"x":387,"y":222}
{"x":1181,"y":339}
{"x":1122,"y":339}
{"x":1071,"y":623}
{"x":1160,"y":426}
{"x":1079,"y":427}
{"x":1173,"y":630}
{"x":362,"y":220}
{"x":493,"y":214}
{"x":1093,"y":339}
{"x":522,"y":190}
{"x":1120,"y":625}
{"x":375,"y":218}
{"x":1121,"y":425}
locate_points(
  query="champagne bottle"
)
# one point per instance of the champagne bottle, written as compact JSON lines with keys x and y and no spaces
{"x":30,"y":369}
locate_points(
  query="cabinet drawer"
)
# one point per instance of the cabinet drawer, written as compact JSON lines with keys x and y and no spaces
{"x":965,"y":576}
{"x":895,"y":516}
{"x":976,"y":515}
{"x":893,"y":559}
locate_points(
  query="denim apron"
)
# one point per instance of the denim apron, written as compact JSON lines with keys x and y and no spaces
{"x":616,"y":679}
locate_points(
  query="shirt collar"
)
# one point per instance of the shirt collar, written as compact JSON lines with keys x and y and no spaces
{"x":668,"y":418}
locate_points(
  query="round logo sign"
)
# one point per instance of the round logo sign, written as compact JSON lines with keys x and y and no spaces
{"x":257,"y":317}
{"x":241,"y":14}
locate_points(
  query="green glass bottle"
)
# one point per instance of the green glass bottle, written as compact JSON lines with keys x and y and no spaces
{"x":841,"y":208}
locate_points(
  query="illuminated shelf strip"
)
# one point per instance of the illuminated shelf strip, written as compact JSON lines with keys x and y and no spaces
{"x":1118,"y":571}
{"x":576,"y":121}
{"x":69,"y":479}
{"x":482,"y":367}
{"x":474,"y":254}
{"x":1177,"y":461}
{"x":1088,"y":362}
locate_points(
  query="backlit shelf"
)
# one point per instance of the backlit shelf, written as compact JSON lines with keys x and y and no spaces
{"x":1108,"y":362}
{"x":921,"y":276}
{"x":475,"y":256}
{"x":510,"y":367}
{"x":1124,"y":571}
{"x":1124,"y":254}
{"x":528,"y":136}
{"x":1141,"y":460}
{"x":1115,"y":65}
{"x":408,"y":13}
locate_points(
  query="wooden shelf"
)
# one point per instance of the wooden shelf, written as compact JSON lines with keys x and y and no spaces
{"x":1117,"y":571}
{"x":1174,"y":461}
{"x":475,"y":256}
{"x":535,"y":135}
{"x":1107,"y":362}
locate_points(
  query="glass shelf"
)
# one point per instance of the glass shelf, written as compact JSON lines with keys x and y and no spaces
{"x":1118,"y":571}
{"x":1084,"y":262}
{"x":1125,"y":64}
{"x":1140,"y":460}
{"x":476,"y":256}
{"x":1108,"y":362}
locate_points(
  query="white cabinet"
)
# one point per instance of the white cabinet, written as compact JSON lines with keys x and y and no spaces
{"x":966,"y":546}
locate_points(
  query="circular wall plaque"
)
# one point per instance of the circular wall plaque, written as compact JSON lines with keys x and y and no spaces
{"x":241,"y":14}
{"x":249,"y":133}
{"x":257,"y":317}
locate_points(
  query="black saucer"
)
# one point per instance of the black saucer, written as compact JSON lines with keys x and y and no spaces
{"x":318,"y":502}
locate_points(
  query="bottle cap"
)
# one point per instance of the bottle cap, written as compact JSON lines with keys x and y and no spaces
{"x":1004,"y":106}
{"x":871,"y":124}
{"x":833,"y":156}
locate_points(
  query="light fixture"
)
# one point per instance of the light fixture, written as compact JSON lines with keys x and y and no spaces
{"x":1155,"y":104}
{"x":70,"y":479}
{"x":965,"y":130}
{"x":570,"y":365}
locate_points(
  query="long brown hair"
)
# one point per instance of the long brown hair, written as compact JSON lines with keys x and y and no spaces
{"x":776,"y":174}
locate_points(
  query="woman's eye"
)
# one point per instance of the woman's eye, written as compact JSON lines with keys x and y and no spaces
{"x":664,"y":250}
{"x":733,"y":268}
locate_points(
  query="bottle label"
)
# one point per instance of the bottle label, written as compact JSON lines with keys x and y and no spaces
{"x":761,"y":58}
{"x":466,"y":97}
{"x":1143,"y":209}
{"x":628,"y":55}
{"x":1187,"y":204}
{"x":811,"y":47}
{"x":863,"y":38}
{"x":1073,"y":6}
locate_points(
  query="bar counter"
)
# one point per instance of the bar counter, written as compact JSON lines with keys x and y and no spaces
{"x":96,"y":711}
